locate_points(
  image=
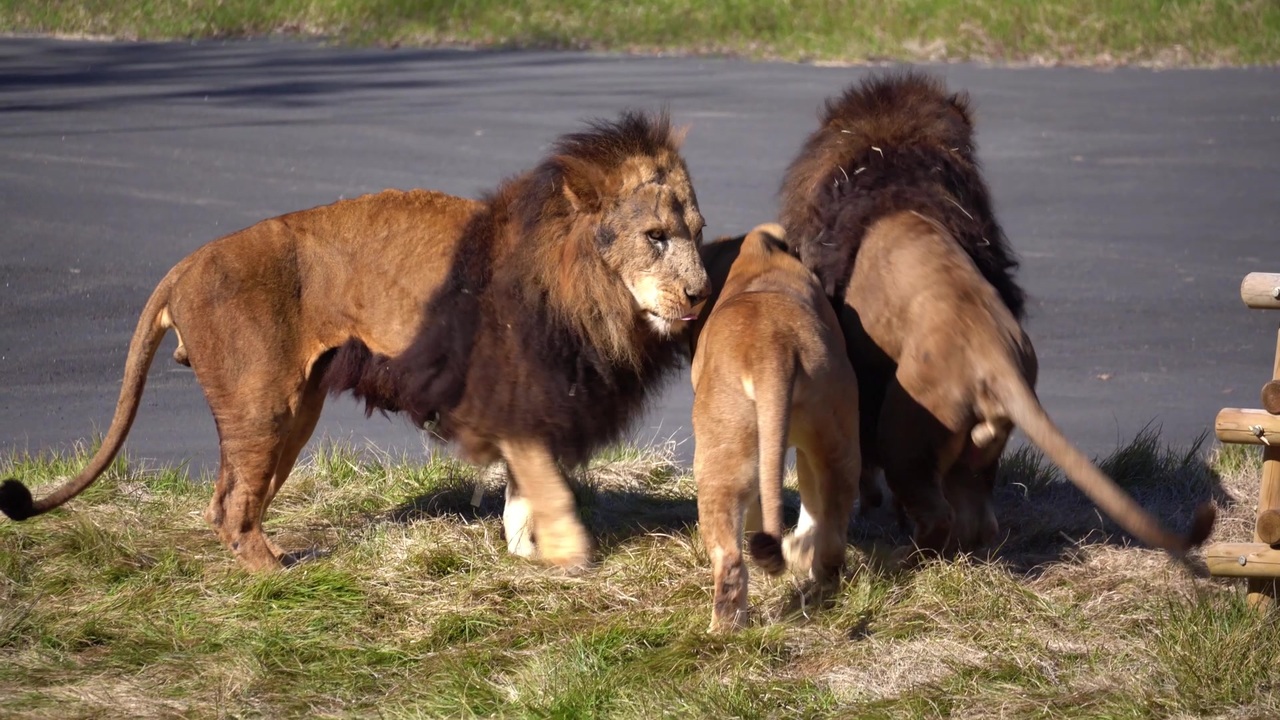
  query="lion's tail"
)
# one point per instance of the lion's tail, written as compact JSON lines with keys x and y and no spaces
{"x":1027,"y":413}
{"x":773,"y":417}
{"x":15,"y":498}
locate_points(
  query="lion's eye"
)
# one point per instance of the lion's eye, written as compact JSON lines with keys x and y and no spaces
{"x":658,"y":238}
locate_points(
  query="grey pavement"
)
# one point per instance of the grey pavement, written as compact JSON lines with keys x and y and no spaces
{"x":1136,"y":199}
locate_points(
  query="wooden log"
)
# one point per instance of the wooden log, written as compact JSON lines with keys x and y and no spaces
{"x":1246,"y":560}
{"x":1261,"y":290}
{"x":1242,"y":426}
{"x":1268,"y":527}
{"x":1271,"y":397}
{"x":1263,"y":593}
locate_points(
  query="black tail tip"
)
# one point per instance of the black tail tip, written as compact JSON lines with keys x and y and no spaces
{"x":766,"y":551}
{"x":1202,"y":525}
{"x":15,"y":500}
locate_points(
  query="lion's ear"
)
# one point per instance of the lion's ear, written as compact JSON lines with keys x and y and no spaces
{"x":583,"y":184}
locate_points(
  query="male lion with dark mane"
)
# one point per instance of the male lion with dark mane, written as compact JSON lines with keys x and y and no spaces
{"x":770,"y":372}
{"x":529,"y":325}
{"x":888,"y":207}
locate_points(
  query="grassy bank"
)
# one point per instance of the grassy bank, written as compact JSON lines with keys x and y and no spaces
{"x":1161,"y":32}
{"x":124,"y":605}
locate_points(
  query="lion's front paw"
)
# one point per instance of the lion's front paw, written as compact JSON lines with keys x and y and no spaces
{"x":566,"y":545}
{"x":517,"y":522}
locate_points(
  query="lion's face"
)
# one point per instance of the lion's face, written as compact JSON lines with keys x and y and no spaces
{"x":650,"y":237}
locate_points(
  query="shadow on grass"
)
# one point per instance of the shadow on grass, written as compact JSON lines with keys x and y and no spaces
{"x":1045,"y":519}
{"x":618,"y":498}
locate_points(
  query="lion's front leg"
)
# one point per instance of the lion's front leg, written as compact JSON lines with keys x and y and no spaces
{"x":562,"y":540}
{"x":517,"y":522}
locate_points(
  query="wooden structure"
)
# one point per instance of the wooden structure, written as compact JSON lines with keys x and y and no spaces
{"x":1259,"y":561}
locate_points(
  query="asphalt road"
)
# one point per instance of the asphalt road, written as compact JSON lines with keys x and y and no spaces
{"x":1136,"y":199}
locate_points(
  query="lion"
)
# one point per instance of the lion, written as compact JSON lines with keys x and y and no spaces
{"x":528,"y":325}
{"x":887,"y":205}
{"x":769,"y":372}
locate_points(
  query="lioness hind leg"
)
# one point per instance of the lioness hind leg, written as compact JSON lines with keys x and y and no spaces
{"x":562,"y":540}
{"x":828,"y":479}
{"x":725,"y":471}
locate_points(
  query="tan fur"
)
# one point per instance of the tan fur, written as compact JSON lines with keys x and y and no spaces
{"x":965,"y":370}
{"x":259,"y":313}
{"x":770,"y":372}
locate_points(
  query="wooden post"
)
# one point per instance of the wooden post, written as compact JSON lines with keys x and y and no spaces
{"x":1271,"y":397}
{"x":1263,"y":592}
{"x":1247,"y":426}
{"x":1261,"y":291}
{"x":1243,"y":560}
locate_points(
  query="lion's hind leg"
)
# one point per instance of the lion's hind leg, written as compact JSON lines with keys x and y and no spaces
{"x":259,"y":445}
{"x":302,"y":426}
{"x":910,"y":439}
{"x":250,"y":454}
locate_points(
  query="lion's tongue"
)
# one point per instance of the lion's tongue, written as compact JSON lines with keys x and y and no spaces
{"x":690,"y":317}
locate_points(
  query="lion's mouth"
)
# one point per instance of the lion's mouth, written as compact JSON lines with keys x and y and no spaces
{"x":657,"y":317}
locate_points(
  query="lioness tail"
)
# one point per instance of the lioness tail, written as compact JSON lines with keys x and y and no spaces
{"x":15,"y":498}
{"x":773,"y":383}
{"x":1027,"y":413}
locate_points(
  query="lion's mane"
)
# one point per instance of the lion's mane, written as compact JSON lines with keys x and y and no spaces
{"x":533,"y":335}
{"x":892,"y":143}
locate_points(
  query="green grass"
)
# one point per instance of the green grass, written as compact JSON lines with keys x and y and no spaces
{"x":123,"y":604}
{"x":1162,"y":32}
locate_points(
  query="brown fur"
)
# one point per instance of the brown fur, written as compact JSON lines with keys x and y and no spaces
{"x":911,"y":253}
{"x":529,"y":325}
{"x":770,"y":372}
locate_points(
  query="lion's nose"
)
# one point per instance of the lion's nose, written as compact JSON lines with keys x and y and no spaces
{"x":698,"y":295}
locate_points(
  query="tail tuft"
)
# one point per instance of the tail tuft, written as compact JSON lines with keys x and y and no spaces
{"x":766,"y":551}
{"x":1201,"y":525}
{"x":15,"y":500}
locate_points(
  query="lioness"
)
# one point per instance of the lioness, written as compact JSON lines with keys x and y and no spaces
{"x":769,"y":372}
{"x":528,"y":325}
{"x":888,"y":207}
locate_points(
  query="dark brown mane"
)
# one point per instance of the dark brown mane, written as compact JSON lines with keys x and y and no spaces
{"x":532,"y":335}
{"x":893,"y":142}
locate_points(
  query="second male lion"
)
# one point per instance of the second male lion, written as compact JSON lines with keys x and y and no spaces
{"x":888,"y":207}
{"x":769,"y":372}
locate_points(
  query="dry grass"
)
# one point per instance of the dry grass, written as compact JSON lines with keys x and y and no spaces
{"x":124,"y":605}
